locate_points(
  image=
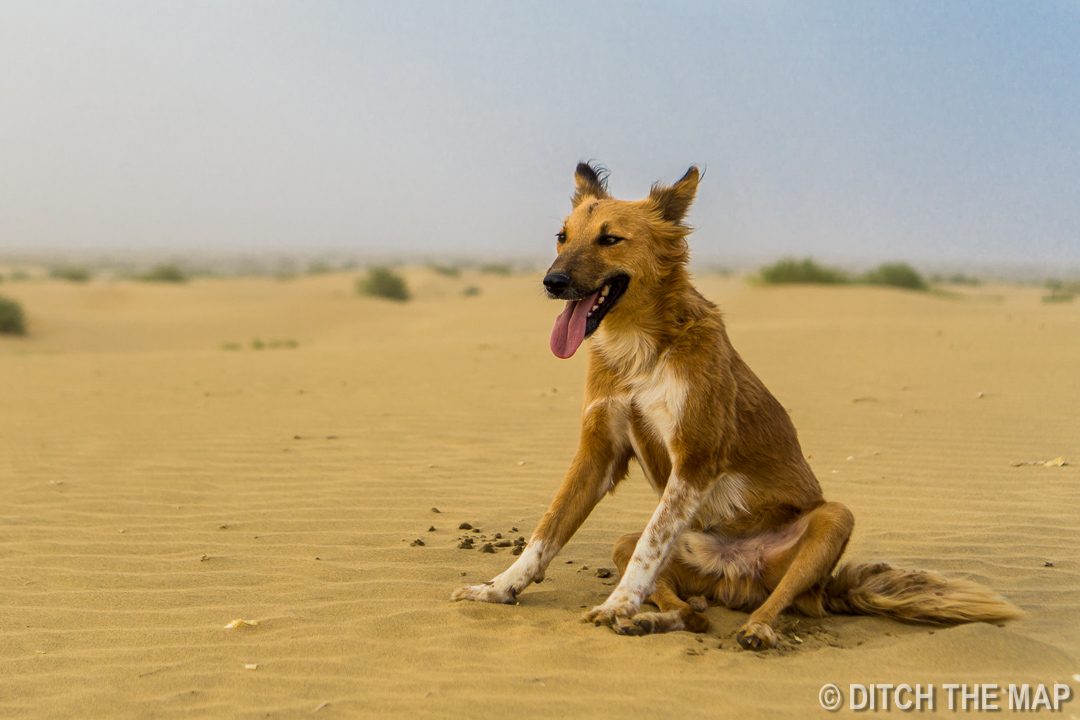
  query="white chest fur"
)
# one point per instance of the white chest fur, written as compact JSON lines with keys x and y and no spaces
{"x":660,"y":397}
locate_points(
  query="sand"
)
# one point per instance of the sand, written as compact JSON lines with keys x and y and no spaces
{"x":160,"y":477}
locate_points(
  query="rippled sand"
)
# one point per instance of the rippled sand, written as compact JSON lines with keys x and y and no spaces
{"x":160,"y":477}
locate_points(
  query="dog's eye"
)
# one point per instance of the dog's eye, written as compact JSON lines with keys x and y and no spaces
{"x":561,"y":237}
{"x":608,"y":240}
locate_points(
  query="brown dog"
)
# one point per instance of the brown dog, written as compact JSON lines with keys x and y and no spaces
{"x":741,"y":518}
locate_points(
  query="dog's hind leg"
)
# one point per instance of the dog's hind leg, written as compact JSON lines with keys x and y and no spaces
{"x":796,"y":571}
{"x":675,"y":613}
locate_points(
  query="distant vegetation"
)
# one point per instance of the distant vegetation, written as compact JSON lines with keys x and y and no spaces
{"x":1061,"y":291}
{"x":790,"y":271}
{"x":471,"y":291}
{"x":957,"y":279}
{"x":319,"y":268}
{"x":12,"y":320}
{"x":164,"y":273}
{"x":496,"y":269}
{"x":71,"y":273}
{"x":899,"y":275}
{"x":447,"y":270}
{"x":258,"y":344}
{"x":385,"y":283}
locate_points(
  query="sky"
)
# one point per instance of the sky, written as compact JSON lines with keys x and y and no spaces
{"x":849,"y":131}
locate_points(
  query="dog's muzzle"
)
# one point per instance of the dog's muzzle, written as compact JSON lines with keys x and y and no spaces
{"x":556,"y":283}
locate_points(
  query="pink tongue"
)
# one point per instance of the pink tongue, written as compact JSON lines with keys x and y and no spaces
{"x":569,"y":330}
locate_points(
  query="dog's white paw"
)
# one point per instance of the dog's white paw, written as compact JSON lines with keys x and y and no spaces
{"x":614,"y":614}
{"x":485,"y":593}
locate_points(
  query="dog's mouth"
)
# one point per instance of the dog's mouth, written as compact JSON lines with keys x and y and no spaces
{"x":581,"y":317}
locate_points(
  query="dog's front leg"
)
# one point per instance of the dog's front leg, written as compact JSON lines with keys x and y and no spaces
{"x":678,"y":505}
{"x":601,"y":461}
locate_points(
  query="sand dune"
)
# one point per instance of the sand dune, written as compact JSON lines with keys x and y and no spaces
{"x":155,"y":486}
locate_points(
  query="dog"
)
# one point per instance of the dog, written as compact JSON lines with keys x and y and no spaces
{"x":741,"y":519}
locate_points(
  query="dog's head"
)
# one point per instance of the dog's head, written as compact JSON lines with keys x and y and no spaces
{"x":615,"y":255}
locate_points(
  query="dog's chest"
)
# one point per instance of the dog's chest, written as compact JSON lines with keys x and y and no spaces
{"x":660,"y":399}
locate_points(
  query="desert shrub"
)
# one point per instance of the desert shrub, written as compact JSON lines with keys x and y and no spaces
{"x":957,"y":279}
{"x":164,"y":273}
{"x":319,"y":268}
{"x":447,"y":270}
{"x":790,"y":270}
{"x":496,"y":269}
{"x":385,"y":283}
{"x":898,"y":274}
{"x":1061,"y":291}
{"x":71,"y":273}
{"x":471,"y":291}
{"x":12,"y":320}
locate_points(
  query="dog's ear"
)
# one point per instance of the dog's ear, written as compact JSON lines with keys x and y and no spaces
{"x":590,"y":181}
{"x":673,"y":202}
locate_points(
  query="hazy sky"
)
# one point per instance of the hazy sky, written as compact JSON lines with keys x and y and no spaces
{"x":846,"y":130}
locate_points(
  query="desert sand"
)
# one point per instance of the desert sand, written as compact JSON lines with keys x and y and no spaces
{"x":161,"y":477}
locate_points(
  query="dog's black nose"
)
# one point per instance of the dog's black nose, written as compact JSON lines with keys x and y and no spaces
{"x":556,"y":283}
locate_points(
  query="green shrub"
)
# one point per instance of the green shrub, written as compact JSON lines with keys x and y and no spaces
{"x":496,"y":269}
{"x":790,"y":270}
{"x":12,"y":321}
{"x":71,"y":273}
{"x":898,"y":274}
{"x":957,"y":279}
{"x":385,"y":283}
{"x":447,"y":270}
{"x":471,"y":291}
{"x":1060,"y":291}
{"x":164,"y":273}
{"x":319,"y":268}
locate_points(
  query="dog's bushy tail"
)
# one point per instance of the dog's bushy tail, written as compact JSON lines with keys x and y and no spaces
{"x":916,"y":595}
